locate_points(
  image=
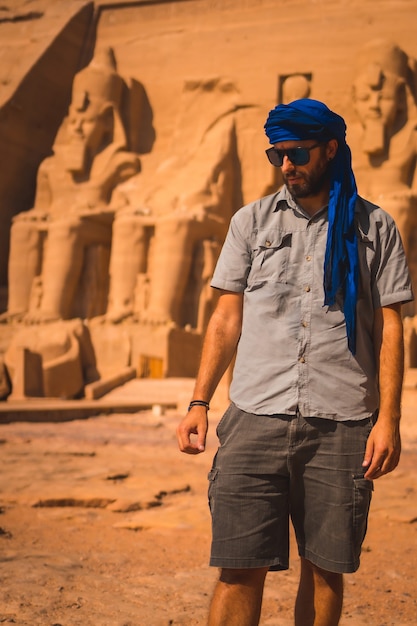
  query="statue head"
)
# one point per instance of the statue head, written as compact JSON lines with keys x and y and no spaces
{"x":295,"y":87}
{"x":93,"y":120}
{"x":379,"y":92}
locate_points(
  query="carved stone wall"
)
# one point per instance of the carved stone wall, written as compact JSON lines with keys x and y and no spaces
{"x":41,"y":49}
{"x":128,"y":240}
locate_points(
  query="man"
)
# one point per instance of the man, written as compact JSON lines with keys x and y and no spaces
{"x":312,"y":279}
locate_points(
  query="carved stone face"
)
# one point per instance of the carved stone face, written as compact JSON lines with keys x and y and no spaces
{"x":83,"y":126}
{"x":89,"y":129}
{"x":376,"y":96}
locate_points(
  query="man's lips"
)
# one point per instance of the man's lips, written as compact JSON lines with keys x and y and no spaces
{"x":293,"y":178}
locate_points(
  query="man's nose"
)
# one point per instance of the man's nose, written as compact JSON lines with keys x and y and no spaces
{"x":286,"y":164}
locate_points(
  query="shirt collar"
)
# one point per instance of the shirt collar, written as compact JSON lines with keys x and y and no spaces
{"x":284,"y":199}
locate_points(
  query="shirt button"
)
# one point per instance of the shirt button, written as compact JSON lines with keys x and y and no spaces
{"x":267,"y":243}
{"x":304,"y":324}
{"x":307,"y":288}
{"x":308,"y":258}
{"x":302,"y":360}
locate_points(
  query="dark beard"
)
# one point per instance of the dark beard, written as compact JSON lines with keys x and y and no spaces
{"x":312,"y":185}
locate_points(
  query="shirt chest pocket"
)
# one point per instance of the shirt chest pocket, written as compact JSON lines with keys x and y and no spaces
{"x":270,"y":257}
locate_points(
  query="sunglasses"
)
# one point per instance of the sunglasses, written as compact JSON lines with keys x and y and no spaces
{"x":298,"y":156}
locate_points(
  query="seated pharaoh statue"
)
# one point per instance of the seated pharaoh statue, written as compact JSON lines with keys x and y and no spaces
{"x":384,"y":141}
{"x":166,"y":239}
{"x":60,"y":249}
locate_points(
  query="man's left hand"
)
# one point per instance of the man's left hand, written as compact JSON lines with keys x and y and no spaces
{"x":383,"y":448}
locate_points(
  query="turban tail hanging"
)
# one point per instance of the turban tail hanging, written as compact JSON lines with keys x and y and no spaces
{"x":309,"y":119}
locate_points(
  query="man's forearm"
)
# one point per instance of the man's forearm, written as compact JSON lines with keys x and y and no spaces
{"x":390,"y":353}
{"x":219,"y":346}
{"x":383,"y":446}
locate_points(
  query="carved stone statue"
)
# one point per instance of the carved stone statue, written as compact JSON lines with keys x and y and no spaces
{"x":384,"y":143}
{"x":295,"y":86}
{"x":60,"y":249}
{"x":166,"y":240}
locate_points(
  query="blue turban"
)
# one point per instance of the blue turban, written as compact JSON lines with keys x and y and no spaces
{"x":310,"y":119}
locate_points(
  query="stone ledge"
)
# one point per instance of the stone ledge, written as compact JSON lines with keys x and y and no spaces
{"x":129,"y":396}
{"x":100,"y":388}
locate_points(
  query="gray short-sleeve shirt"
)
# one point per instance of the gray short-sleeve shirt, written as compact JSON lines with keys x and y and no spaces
{"x":293,"y":353}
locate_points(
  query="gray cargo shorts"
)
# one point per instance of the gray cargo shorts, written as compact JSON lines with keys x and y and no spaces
{"x":270,"y":469}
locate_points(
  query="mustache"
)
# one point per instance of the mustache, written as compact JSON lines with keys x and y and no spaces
{"x":293,"y":172}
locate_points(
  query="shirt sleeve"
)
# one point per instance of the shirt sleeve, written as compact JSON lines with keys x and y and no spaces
{"x":392,"y":283}
{"x":235,"y":258}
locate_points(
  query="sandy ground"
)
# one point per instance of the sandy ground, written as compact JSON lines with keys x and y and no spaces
{"x":104,"y":523}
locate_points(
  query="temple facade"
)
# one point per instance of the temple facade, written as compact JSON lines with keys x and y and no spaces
{"x":132,"y":131}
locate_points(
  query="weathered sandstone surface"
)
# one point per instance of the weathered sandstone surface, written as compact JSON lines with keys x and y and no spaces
{"x":104,"y":523}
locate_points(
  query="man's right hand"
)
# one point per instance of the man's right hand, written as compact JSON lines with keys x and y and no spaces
{"x":194,"y":423}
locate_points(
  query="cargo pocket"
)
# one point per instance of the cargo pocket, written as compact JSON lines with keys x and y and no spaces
{"x":362,"y":495}
{"x":212,"y":475}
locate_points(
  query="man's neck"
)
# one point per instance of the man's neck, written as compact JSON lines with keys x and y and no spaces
{"x":313,"y":204}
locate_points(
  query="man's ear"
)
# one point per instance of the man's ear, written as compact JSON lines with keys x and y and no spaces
{"x":331,"y":149}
